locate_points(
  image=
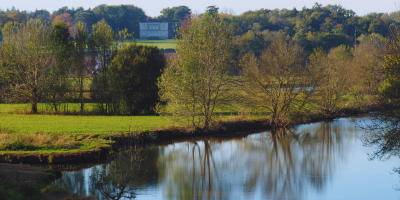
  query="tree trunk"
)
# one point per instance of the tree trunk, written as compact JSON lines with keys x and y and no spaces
{"x":81,"y":94}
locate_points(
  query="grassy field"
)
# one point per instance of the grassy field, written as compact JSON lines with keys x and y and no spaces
{"x":162,"y":44}
{"x":69,"y":124}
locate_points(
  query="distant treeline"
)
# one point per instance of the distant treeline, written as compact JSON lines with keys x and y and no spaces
{"x":118,"y":17}
{"x":320,"y":26}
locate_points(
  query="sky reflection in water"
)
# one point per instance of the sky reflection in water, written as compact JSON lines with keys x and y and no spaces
{"x":324,"y":160}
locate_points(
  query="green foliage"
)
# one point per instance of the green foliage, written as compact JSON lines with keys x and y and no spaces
{"x":390,"y":89}
{"x":87,"y":17}
{"x":121,"y":17}
{"x":9,"y":28}
{"x":174,"y":16}
{"x":133,"y":77}
{"x":252,"y":42}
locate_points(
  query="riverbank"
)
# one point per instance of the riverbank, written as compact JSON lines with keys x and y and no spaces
{"x":94,"y":147}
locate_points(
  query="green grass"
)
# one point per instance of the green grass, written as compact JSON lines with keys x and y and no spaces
{"x":162,"y":44}
{"x":68,"y":124}
{"x":43,"y":134}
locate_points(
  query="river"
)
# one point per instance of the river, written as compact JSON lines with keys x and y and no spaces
{"x":324,"y":160}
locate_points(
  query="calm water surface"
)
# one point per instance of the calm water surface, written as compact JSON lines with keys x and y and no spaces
{"x":324,"y":160}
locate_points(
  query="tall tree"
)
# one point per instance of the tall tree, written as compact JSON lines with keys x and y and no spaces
{"x":196,"y":81}
{"x":101,"y":49}
{"x":80,"y":65}
{"x":103,"y":45}
{"x":61,"y":48}
{"x":24,"y":57}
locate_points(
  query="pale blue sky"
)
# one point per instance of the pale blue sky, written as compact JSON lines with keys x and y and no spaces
{"x":153,"y":7}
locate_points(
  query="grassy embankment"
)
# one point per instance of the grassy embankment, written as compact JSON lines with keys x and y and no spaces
{"x":48,"y":134}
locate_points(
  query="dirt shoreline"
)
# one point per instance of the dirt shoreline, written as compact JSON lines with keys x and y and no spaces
{"x":155,"y":137}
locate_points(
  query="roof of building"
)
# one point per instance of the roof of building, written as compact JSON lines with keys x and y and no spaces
{"x":154,"y":20}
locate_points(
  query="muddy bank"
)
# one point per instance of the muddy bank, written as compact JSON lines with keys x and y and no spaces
{"x":27,"y":174}
{"x":89,"y":156}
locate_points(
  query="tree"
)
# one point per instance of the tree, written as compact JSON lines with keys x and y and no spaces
{"x":24,"y":57}
{"x":384,"y":133}
{"x":367,"y":68}
{"x":212,"y":10}
{"x":196,"y":81}
{"x":331,"y":71}
{"x":101,"y":49}
{"x":175,"y":16}
{"x":390,"y":90}
{"x":252,"y":42}
{"x":133,"y":79}
{"x":121,"y":16}
{"x":277,"y":82}
{"x":87,"y":17}
{"x":43,"y":15}
{"x":61,"y":49}
{"x":103,"y":45}
{"x":10,"y":28}
{"x":81,"y":35}
{"x":68,"y":20}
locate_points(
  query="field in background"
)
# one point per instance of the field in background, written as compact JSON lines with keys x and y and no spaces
{"x":161,"y":44}
{"x":20,"y":108}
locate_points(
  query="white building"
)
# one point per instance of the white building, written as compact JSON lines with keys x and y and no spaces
{"x":154,"y":29}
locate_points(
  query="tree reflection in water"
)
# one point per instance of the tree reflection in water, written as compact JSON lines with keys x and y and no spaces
{"x":383,"y":133}
{"x":282,"y":164}
{"x":118,"y":179}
